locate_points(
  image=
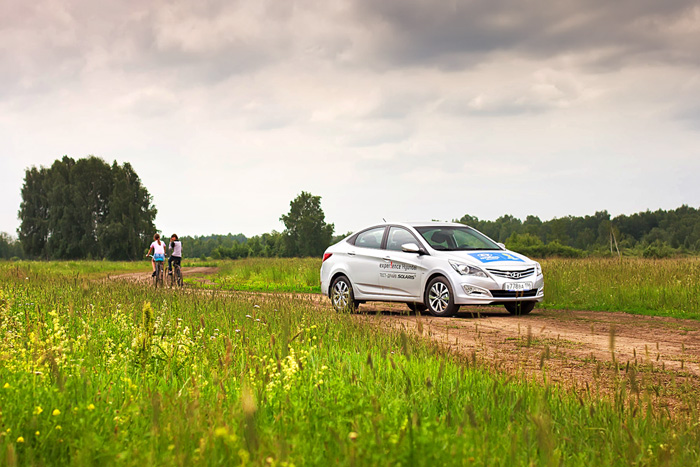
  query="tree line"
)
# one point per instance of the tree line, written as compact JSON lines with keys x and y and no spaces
{"x":650,"y":234}
{"x":306,"y":234}
{"x":90,"y":209}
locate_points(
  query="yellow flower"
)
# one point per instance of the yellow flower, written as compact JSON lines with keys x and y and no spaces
{"x":220,"y":432}
{"x":56,"y":412}
{"x":20,"y":440}
{"x":91,"y":407}
{"x":6,"y":386}
{"x":58,"y":427}
{"x":37,"y":433}
{"x":38,"y":410}
{"x":352,"y":435}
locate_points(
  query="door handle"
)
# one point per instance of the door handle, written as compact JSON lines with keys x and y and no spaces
{"x":351,"y":253}
{"x":387,"y":258}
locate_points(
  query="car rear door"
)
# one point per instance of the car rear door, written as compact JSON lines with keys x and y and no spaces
{"x":402,"y":273}
{"x":364,"y":259}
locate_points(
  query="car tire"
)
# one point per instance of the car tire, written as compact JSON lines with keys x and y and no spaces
{"x":439,"y":298}
{"x":342,"y":296}
{"x":416,"y":307}
{"x":519,"y":308}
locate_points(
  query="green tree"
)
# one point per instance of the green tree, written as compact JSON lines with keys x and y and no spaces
{"x":85,"y":209}
{"x":34,"y":213}
{"x":306,"y":233}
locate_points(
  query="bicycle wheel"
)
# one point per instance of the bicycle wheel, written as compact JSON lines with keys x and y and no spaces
{"x":159,"y":274}
{"x":178,"y":274}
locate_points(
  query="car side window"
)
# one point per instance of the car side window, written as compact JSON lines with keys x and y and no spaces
{"x":397,"y":237}
{"x":371,"y":238}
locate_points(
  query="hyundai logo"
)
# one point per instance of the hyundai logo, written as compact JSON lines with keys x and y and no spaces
{"x":514,"y":275}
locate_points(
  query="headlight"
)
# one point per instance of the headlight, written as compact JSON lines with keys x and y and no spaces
{"x":467,"y":270}
{"x":538,"y":269}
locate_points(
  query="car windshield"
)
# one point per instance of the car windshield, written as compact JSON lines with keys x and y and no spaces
{"x":448,"y":238}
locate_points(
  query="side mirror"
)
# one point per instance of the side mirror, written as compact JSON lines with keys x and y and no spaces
{"x":411,"y":248}
{"x":502,"y":246}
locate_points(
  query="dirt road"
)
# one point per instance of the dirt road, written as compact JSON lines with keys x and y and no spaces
{"x":576,"y":349}
{"x":146,"y":276}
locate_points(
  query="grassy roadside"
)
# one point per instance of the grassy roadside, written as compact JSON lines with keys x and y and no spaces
{"x":666,"y":287}
{"x":265,"y":275}
{"x":119,"y":373}
{"x":655,"y":287}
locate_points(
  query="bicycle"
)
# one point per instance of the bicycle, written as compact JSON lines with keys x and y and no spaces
{"x":175,"y":279}
{"x":158,"y":278}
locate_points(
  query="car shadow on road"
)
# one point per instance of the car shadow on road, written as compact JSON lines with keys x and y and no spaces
{"x":470,"y":313}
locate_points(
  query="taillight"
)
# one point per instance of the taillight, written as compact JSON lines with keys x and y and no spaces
{"x":326,"y":256}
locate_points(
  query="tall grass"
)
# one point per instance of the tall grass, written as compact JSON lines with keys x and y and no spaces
{"x":105,"y":372}
{"x":665,"y":287}
{"x":269,"y":275}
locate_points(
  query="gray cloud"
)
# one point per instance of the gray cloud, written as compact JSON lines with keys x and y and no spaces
{"x":608,"y":34}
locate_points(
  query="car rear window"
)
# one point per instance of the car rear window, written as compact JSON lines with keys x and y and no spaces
{"x":371,"y":238}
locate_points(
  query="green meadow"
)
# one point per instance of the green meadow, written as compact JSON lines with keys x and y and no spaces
{"x":105,"y":372}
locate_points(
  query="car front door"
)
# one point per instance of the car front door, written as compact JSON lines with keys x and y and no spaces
{"x":402,"y":272}
{"x":365,"y":257}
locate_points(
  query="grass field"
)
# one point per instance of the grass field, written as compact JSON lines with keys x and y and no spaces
{"x":116,"y":373}
{"x":661,"y":287}
{"x":268,"y":275}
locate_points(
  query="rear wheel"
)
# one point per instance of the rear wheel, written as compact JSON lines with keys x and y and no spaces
{"x":519,"y":308}
{"x":178,"y":272}
{"x":439,"y":298}
{"x":342,"y":296}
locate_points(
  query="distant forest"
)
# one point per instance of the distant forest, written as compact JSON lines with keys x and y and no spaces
{"x":654,"y":234}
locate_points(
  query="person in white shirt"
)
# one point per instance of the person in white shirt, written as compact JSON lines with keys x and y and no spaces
{"x":176,"y":255}
{"x":158,"y":249}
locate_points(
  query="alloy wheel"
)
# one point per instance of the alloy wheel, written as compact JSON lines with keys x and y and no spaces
{"x":439,"y":297}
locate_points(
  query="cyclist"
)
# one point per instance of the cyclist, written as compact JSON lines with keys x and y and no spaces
{"x":176,"y":255}
{"x":158,"y":249}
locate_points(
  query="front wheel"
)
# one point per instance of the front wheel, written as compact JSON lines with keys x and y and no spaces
{"x":519,"y":308}
{"x":342,"y":296}
{"x":439,"y":298}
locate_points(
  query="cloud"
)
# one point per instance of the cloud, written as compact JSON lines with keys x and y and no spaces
{"x":601,"y":33}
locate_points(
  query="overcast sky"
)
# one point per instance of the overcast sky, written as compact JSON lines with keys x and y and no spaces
{"x":396,"y":109}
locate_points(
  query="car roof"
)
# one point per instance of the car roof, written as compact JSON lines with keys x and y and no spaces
{"x":417,"y":224}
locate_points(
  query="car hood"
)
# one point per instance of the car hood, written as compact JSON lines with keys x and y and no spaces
{"x":490,"y":258}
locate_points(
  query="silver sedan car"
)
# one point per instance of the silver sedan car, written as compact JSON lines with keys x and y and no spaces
{"x":433,"y":266}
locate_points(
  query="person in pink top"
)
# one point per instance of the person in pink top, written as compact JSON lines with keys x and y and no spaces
{"x":158,"y":249}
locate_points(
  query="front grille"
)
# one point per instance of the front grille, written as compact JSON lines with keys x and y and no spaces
{"x":513,"y":294}
{"x":512,"y":274}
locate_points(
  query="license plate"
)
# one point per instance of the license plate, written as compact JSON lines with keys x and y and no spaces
{"x":517,"y":286}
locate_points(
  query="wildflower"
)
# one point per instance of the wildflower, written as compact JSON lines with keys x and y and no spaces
{"x":58,"y":428}
{"x":171,"y":447}
{"x":56,"y":412}
{"x":37,"y":433}
{"x":38,"y":410}
{"x":20,"y":440}
{"x":91,"y":407}
{"x":352,"y":435}
{"x":6,"y":386}
{"x":220,"y":432}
